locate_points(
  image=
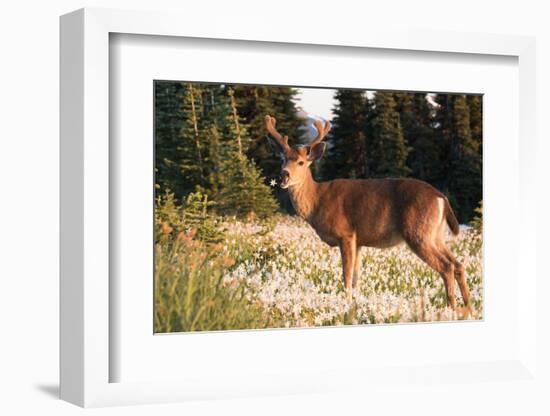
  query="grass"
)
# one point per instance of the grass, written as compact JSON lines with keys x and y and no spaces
{"x":279,"y":274}
{"x":190,"y":292}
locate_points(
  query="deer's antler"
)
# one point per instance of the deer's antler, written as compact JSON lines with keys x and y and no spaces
{"x":270,"y":123}
{"x":322,"y":131}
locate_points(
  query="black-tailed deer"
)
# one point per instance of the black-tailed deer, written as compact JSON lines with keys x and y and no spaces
{"x":352,"y":213}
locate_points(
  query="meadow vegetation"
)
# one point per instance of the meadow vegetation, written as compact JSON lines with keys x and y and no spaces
{"x":221,"y":273}
{"x":229,"y":251}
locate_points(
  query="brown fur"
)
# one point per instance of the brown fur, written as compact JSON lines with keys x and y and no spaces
{"x":352,"y":213}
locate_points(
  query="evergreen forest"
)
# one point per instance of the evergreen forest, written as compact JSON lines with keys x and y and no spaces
{"x":210,"y":139}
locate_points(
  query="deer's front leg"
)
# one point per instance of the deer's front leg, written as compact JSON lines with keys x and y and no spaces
{"x":348,"y":250}
{"x":357,"y":267}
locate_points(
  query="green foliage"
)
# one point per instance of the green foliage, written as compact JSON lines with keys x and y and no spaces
{"x":253,"y":103}
{"x":242,"y":191}
{"x":192,"y":219}
{"x":169,"y":119}
{"x":416,"y":116}
{"x":211,"y":164}
{"x":476,"y":119}
{"x":260,"y":277}
{"x":211,"y":138}
{"x":463,"y":163}
{"x":235,"y":183}
{"x":191,"y":295}
{"x":402,"y":134}
{"x":477,"y":222}
{"x":202,"y":145}
{"x":387,"y":149}
{"x":347,"y":156}
{"x":178,"y":147}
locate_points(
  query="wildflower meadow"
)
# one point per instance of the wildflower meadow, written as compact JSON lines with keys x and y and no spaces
{"x":238,"y":166}
{"x":278,"y":273}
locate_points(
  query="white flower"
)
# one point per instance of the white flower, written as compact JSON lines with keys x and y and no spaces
{"x":303,"y":280}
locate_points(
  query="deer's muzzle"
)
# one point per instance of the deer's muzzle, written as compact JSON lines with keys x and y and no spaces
{"x":285,"y":179}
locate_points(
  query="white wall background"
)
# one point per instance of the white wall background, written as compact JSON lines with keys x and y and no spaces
{"x":29,"y":181}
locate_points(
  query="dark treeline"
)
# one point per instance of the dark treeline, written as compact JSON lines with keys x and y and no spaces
{"x":403,"y":134}
{"x":210,"y":138}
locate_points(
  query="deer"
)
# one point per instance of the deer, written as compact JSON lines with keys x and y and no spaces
{"x":375,"y":212}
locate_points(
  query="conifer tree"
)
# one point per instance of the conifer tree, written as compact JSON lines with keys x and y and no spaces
{"x":476,"y":119}
{"x":286,"y":113}
{"x":387,"y":149}
{"x":443,"y":133}
{"x":216,"y":158}
{"x":253,"y":103}
{"x":416,"y":116}
{"x":190,"y":147}
{"x":465,"y":180}
{"x":178,"y":153}
{"x":235,"y":183}
{"x":347,"y":143}
{"x":463,"y":162}
{"x":168,"y":123}
{"x":210,"y":138}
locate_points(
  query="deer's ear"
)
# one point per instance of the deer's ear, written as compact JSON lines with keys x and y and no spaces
{"x":316,"y":152}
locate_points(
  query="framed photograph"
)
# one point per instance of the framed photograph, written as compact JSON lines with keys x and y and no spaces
{"x":276,"y":231}
{"x":279,"y":214}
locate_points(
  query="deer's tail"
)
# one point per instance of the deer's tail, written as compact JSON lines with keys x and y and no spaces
{"x":451,"y":218}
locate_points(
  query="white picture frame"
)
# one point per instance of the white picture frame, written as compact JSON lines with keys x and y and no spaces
{"x":85,"y":165}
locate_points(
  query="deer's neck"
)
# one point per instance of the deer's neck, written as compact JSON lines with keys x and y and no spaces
{"x":304,"y":197}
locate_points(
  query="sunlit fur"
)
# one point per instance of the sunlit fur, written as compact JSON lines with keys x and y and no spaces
{"x":351,"y":213}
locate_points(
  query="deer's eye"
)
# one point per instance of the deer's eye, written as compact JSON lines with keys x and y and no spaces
{"x":301,"y":162}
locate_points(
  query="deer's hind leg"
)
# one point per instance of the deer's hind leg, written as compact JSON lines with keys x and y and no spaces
{"x":460,"y":277}
{"x":432,"y":255}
